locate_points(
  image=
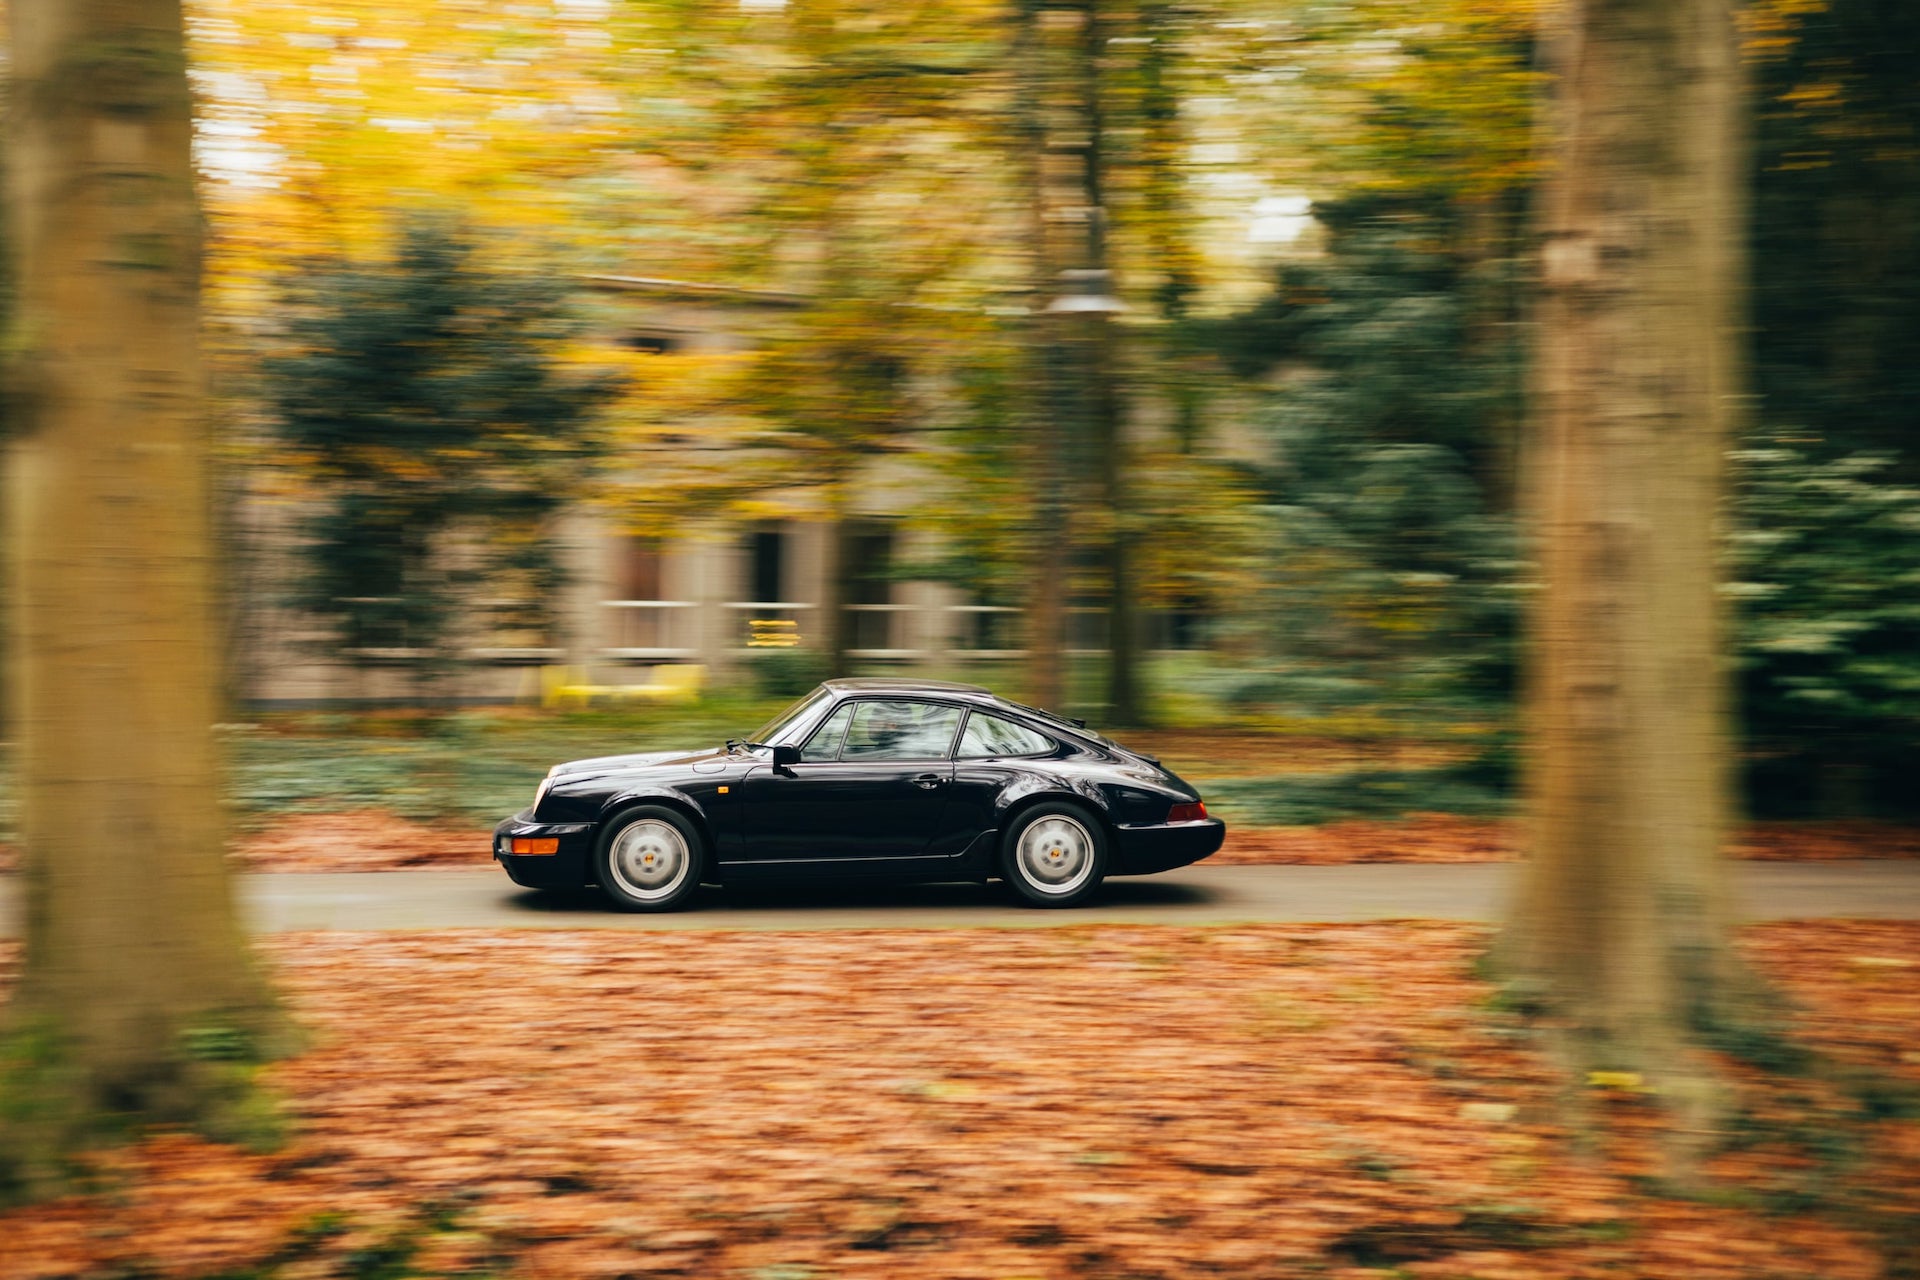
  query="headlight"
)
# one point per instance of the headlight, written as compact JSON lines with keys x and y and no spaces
{"x":540,"y":792}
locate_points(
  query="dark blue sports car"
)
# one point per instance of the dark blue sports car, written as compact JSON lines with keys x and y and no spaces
{"x":900,"y":779}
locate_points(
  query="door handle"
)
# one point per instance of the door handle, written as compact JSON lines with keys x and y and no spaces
{"x":927,"y":780}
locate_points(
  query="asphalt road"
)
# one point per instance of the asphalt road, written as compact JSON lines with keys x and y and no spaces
{"x":1197,"y":895}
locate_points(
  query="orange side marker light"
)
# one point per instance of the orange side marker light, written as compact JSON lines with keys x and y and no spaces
{"x":524,"y":846}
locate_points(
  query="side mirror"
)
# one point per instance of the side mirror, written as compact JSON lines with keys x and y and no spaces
{"x":785,"y":756}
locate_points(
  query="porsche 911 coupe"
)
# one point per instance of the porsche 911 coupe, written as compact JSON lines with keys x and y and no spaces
{"x":913,"y":780}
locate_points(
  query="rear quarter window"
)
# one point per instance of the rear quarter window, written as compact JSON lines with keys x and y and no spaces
{"x":988,"y":735}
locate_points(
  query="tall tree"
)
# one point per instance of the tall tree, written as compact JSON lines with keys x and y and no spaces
{"x":1620,"y":925}
{"x":426,"y":401}
{"x":851,"y":129}
{"x":1106,"y":408}
{"x":1048,"y":533}
{"x":137,"y":999}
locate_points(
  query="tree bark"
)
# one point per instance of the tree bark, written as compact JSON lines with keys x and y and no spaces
{"x":1104,"y":402}
{"x":1049,"y":534}
{"x":1620,"y":927}
{"x":138,"y":999}
{"x":837,"y":582}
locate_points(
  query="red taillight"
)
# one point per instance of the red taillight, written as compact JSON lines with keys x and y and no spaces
{"x":1187,"y":813}
{"x":523,"y":846}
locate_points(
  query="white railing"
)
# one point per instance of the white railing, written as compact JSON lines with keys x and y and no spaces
{"x":673,"y":630}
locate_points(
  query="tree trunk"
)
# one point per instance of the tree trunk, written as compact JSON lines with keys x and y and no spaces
{"x":1124,"y":704}
{"x":1620,"y":928}
{"x":1049,"y":536}
{"x":837,"y":581}
{"x":137,"y":999}
{"x":1104,"y":405}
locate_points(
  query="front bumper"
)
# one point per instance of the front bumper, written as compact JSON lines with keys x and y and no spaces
{"x":1143,"y":850}
{"x":570,"y":868}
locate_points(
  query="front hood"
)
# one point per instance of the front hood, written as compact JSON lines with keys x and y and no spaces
{"x":639,"y":760}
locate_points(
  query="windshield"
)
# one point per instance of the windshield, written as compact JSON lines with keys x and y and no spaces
{"x":772,"y":729}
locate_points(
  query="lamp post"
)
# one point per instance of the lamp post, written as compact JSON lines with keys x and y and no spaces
{"x":1078,"y":411}
{"x":1087,"y":300}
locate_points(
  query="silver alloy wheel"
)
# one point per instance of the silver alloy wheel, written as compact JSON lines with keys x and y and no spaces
{"x":649,"y":859}
{"x":1055,"y":855}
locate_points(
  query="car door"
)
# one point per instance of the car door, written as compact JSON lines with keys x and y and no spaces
{"x":993,"y":753}
{"x":870,"y":786}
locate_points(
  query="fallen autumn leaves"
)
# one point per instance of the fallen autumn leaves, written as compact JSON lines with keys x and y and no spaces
{"x":1095,"y":1101}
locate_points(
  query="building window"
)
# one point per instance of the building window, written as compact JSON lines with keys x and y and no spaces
{"x":868,"y":582}
{"x":870,"y":565}
{"x":766,"y":553}
{"x":1187,"y":625}
{"x":656,"y":342}
{"x":639,"y":569}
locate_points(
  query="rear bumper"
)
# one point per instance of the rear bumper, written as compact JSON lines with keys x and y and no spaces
{"x":1143,"y":850}
{"x":570,"y":868}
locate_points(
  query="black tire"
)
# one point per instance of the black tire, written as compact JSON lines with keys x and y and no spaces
{"x":627,"y":859}
{"x":1062,"y":871}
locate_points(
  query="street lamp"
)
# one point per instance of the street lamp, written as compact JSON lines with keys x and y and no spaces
{"x":1086,"y":296}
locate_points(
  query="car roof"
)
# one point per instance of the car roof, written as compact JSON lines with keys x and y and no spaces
{"x":971,"y":693}
{"x":897,"y":684}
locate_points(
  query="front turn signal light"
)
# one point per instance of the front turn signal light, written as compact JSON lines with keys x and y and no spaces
{"x":1187,"y":813}
{"x":525,"y":847}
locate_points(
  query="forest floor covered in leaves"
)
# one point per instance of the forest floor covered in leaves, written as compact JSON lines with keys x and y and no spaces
{"x":1113,"y":1101}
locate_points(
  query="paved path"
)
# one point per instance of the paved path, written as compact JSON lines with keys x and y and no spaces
{"x":1196,"y":895}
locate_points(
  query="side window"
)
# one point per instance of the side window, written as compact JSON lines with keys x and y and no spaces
{"x":991,"y":736}
{"x":885,"y":730}
{"x":825,"y":742}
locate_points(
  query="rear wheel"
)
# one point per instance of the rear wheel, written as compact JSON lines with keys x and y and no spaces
{"x":650,"y":859}
{"x":1055,"y":855}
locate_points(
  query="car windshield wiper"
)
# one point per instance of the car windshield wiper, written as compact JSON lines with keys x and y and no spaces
{"x":741,"y":744}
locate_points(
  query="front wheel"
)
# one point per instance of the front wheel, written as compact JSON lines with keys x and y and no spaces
{"x":1055,"y":855}
{"x":650,"y":859}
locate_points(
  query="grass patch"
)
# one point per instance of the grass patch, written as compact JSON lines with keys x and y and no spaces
{"x":476,"y":766}
{"x":1293,"y":800}
{"x":465,"y":767}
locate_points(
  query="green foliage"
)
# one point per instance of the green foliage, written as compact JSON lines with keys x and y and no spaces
{"x":217,"y":1042}
{"x":1391,"y":572}
{"x":54,"y":1103}
{"x":474,"y":767}
{"x":1836,"y":221}
{"x":1402,"y":332}
{"x":1825,"y":572}
{"x":427,"y":401}
{"x":788,"y":673}
{"x":1309,"y":799}
{"x":1828,"y":652}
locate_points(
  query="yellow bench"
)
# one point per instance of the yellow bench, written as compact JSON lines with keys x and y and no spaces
{"x":668,"y":682}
